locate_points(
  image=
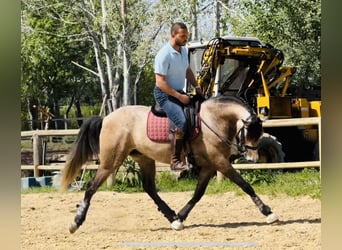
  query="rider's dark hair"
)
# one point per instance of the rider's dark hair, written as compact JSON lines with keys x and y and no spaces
{"x":176,"y":26}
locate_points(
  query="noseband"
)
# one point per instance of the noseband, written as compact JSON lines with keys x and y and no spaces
{"x":240,"y":136}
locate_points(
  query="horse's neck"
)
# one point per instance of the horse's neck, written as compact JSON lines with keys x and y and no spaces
{"x":223,"y":116}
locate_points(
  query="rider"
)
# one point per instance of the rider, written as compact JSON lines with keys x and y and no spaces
{"x":171,"y":68}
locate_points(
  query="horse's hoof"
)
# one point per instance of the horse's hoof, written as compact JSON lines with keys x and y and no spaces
{"x":177,"y":225}
{"x":73,"y":227}
{"x":272,"y":218}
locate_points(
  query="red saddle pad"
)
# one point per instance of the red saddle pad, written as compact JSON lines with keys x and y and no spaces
{"x":157,"y":128}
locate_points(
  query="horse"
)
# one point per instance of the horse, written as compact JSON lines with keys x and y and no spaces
{"x":228,"y":127}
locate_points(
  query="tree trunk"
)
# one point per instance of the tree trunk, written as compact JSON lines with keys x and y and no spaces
{"x":97,"y":51}
{"x":78,"y":112}
{"x":108,"y":55}
{"x":33,"y":113}
{"x":127,"y":95}
{"x":217,"y":7}
{"x":58,"y":124}
{"x":66,"y":115}
{"x":193,"y":16}
{"x":127,"y":90}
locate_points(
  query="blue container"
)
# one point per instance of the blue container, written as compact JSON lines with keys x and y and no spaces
{"x":43,"y":181}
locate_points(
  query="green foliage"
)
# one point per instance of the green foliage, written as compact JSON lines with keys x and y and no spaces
{"x":50,"y":43}
{"x":88,"y":176}
{"x":26,"y":144}
{"x":166,"y":182}
{"x":307,"y":181}
{"x":129,"y":180}
{"x":132,"y":175}
{"x":34,"y":190}
{"x":269,"y":182}
{"x":299,"y":183}
{"x":54,"y":35}
{"x":216,"y":187}
{"x":145,"y":87}
{"x":259,"y":176}
{"x":87,"y":111}
{"x":294,"y":30}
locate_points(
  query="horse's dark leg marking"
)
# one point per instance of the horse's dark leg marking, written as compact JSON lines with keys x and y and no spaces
{"x":235,"y":177}
{"x":148,"y":172}
{"x":82,"y":208}
{"x":201,"y":186}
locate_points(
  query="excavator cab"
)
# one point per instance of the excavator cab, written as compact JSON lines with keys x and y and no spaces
{"x":243,"y":67}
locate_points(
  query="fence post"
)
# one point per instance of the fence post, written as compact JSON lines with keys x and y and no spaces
{"x":219,"y":176}
{"x":37,"y":154}
{"x":65,"y":122}
{"x":111,"y":178}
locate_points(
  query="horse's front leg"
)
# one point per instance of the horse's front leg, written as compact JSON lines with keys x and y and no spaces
{"x":202,"y":183}
{"x":235,"y":177}
{"x":82,"y":208}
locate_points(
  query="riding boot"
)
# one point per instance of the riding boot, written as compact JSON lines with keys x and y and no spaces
{"x":176,"y":150}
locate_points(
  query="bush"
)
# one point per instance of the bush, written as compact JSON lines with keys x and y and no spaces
{"x":259,"y":176}
{"x":132,"y":175}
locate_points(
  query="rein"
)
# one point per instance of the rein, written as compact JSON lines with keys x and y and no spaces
{"x":241,"y":147}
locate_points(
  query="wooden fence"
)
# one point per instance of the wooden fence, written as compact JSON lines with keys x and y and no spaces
{"x":39,"y":134}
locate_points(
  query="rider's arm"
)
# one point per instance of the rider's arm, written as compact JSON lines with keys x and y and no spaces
{"x":192,"y":80}
{"x":191,"y":77}
{"x":165,"y":87}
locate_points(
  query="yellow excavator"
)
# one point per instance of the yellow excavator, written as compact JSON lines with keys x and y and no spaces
{"x":254,"y":71}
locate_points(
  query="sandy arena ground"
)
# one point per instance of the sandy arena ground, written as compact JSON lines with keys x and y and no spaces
{"x":118,"y":221}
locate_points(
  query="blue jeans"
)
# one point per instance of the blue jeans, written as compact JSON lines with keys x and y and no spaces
{"x":173,"y":109}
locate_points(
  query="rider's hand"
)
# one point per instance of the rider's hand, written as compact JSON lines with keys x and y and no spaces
{"x":199,"y":90}
{"x":184,"y":98}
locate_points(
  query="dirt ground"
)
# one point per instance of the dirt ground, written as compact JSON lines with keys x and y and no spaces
{"x":131,"y":221}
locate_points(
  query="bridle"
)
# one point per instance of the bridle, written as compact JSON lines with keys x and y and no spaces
{"x":240,"y":136}
{"x":242,"y":146}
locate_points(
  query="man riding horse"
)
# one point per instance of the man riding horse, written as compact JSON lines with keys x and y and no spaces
{"x":228,"y":127}
{"x":171,"y":68}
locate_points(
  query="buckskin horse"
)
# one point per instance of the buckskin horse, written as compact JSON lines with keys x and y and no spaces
{"x":228,"y":127}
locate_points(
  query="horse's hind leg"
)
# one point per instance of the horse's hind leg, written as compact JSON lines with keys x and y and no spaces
{"x":148,"y":172}
{"x":108,"y":165}
{"x":82,"y":208}
{"x":235,"y":177}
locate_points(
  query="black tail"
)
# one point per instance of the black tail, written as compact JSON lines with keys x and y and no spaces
{"x":86,"y":146}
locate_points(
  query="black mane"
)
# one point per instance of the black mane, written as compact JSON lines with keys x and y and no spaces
{"x":234,"y":99}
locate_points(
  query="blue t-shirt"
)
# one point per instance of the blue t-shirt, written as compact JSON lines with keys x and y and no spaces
{"x":172,"y":64}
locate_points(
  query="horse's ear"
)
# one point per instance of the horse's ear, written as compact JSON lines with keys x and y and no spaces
{"x":246,"y":123}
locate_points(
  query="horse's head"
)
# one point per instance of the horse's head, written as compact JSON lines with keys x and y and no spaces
{"x":248,"y":137}
{"x":242,"y":137}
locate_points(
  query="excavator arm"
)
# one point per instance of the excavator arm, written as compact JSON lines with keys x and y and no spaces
{"x":263,"y":63}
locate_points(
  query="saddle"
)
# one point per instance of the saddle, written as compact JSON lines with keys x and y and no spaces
{"x":158,"y":123}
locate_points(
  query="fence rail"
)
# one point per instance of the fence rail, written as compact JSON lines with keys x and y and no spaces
{"x":37,"y":134}
{"x":161,"y":167}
